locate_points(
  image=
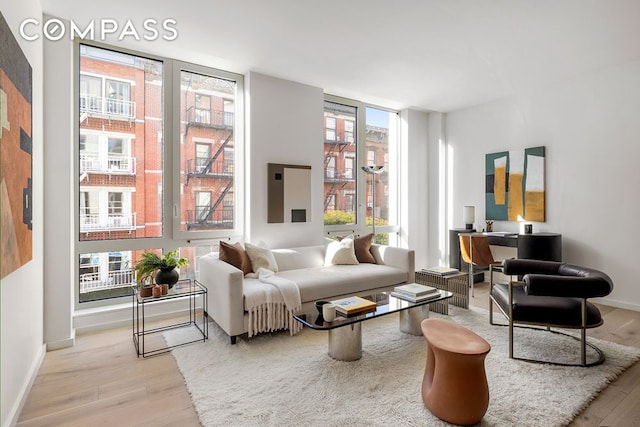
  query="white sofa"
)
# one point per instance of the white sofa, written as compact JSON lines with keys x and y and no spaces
{"x":305,"y":267}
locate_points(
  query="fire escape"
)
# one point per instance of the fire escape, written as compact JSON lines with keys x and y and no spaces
{"x":336,"y":181}
{"x":215,"y":168}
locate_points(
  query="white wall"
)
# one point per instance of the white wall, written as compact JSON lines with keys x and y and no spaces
{"x":437,"y":234}
{"x":59,"y":260}
{"x":285,"y":125}
{"x":22,"y":291}
{"x":415,"y":201}
{"x":590,"y":127}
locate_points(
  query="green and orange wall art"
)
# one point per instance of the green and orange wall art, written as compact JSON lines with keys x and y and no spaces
{"x":515,"y":185}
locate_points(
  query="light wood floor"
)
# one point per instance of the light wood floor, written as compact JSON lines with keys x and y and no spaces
{"x":619,"y":403}
{"x":100,"y":381}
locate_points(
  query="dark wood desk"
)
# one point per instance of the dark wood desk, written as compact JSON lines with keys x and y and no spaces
{"x":542,"y":246}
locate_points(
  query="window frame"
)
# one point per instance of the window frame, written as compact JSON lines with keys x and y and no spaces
{"x":332,"y":201}
{"x":349,"y":166}
{"x":360,"y":197}
{"x":328,"y":129}
{"x":200,"y":148}
{"x":169,"y":139}
{"x":238,"y":137}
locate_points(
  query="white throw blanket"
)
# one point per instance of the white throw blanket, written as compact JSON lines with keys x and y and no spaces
{"x":271,"y":303}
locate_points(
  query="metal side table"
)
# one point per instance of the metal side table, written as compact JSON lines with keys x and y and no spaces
{"x":187,"y":291}
{"x":457,"y":283}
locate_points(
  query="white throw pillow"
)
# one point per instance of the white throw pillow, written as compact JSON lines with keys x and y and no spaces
{"x":261,"y":258}
{"x":341,"y":253}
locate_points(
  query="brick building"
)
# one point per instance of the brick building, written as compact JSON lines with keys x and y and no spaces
{"x":121,"y":160}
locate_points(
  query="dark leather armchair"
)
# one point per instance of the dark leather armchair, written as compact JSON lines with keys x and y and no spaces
{"x":551,"y":294}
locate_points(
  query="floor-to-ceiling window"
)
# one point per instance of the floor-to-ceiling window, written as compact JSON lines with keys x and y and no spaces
{"x":357,"y":135}
{"x":381,"y":145}
{"x":206,"y":131}
{"x":153,"y":174}
{"x":339,"y":145}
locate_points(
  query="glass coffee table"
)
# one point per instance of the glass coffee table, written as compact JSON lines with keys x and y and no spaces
{"x":345,"y":333}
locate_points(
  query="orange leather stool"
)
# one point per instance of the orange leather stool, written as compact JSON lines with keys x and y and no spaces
{"x":455,"y":386}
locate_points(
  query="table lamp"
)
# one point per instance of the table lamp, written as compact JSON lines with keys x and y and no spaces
{"x":469,"y":216}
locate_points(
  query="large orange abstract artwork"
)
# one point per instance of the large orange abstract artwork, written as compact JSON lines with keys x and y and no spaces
{"x":15,"y":154}
{"x":515,"y":185}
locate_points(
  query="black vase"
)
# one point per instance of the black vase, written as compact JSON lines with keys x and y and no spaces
{"x":168,"y":276}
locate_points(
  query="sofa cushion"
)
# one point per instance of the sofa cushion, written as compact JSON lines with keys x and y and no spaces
{"x":302,"y":257}
{"x":362,"y":246}
{"x":324,"y":282}
{"x":235,"y":255}
{"x":341,"y":253}
{"x":261,"y":258}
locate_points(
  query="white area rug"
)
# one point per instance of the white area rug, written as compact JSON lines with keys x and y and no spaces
{"x":282,"y":380}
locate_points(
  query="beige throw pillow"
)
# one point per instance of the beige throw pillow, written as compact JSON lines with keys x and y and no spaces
{"x":261,"y":258}
{"x":341,"y":253}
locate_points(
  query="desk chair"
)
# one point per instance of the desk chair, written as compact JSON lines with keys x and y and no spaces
{"x":476,"y":252}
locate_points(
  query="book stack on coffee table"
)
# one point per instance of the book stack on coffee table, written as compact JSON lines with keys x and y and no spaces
{"x":352,"y":306}
{"x":415,"y":292}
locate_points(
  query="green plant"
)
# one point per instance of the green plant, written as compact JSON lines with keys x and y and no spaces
{"x":380,"y":238}
{"x":150,"y":262}
{"x":339,"y":217}
{"x":344,"y":217}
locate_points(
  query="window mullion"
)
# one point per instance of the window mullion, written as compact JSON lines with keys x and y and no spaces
{"x":361,"y":178}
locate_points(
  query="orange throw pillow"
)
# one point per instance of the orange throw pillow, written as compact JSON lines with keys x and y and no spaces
{"x":236,"y":256}
{"x":363,"y":249}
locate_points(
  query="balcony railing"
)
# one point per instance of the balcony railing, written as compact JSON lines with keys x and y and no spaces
{"x":212,"y":118}
{"x":112,"y":222}
{"x":339,"y":138}
{"x":203,"y":217}
{"x":207,"y":166}
{"x":116,"y":108}
{"x":112,"y":164}
{"x":338,"y":176}
{"x":115,"y":279}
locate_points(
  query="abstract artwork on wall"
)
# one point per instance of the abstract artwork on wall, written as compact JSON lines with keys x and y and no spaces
{"x":515,"y":185}
{"x":15,"y":154}
{"x":289,"y":193}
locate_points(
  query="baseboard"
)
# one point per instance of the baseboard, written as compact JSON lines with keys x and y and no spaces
{"x":121,"y":315}
{"x":14,"y":413}
{"x":67,"y":342}
{"x":618,"y":304}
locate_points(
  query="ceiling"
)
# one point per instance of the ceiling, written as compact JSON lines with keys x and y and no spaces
{"x":432,"y":55}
